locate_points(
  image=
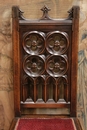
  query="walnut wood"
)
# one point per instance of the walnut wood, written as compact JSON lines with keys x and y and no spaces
{"x":36,"y":84}
{"x":47,"y":105}
{"x":16,"y":59}
{"x":75,"y":32}
{"x":13,"y":124}
{"x":44,"y":57}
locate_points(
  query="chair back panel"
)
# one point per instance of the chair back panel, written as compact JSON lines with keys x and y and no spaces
{"x":45,"y":62}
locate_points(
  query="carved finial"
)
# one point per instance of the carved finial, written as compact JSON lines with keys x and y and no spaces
{"x":45,"y":10}
{"x":17,"y":13}
{"x":70,"y":12}
{"x":21,"y":14}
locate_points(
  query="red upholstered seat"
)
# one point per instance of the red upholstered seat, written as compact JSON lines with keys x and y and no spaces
{"x":47,"y":124}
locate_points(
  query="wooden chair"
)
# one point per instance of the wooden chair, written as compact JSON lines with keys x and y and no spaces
{"x":45,"y":66}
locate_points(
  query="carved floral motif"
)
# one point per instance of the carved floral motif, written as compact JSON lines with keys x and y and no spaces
{"x":57,"y":42}
{"x":34,"y":65}
{"x":34,"y":42}
{"x":56,"y":65}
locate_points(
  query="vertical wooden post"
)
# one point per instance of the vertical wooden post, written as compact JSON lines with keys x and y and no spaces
{"x":75,"y":32}
{"x":16,"y":59}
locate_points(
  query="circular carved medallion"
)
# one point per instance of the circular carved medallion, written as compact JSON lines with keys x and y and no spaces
{"x":34,"y":42}
{"x":34,"y":65}
{"x":57,"y":42}
{"x":56,"y":65}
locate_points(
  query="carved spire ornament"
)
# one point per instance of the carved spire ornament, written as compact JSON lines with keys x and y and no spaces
{"x":45,"y":10}
{"x":21,"y":14}
{"x":70,"y":12}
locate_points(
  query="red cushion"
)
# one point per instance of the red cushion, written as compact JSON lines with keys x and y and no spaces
{"x":45,"y":124}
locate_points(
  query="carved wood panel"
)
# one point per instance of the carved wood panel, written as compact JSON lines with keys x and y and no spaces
{"x":45,"y":61}
{"x":45,"y":66}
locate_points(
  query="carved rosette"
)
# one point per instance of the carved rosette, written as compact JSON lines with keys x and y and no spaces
{"x":56,"y":65}
{"x":37,"y":45}
{"x":34,"y":42}
{"x":34,"y":65}
{"x":57,"y":42}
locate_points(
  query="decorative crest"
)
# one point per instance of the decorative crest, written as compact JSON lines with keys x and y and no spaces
{"x":45,"y":10}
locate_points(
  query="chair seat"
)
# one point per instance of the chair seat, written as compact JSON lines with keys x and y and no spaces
{"x":45,"y":124}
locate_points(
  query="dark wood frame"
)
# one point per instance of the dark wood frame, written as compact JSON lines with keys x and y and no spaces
{"x":70,"y":24}
{"x":17,"y":22}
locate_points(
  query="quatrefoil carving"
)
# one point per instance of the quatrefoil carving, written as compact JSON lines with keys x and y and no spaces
{"x":56,"y":65}
{"x":34,"y":42}
{"x":38,"y":45}
{"x":57,"y":42}
{"x":34,"y":65}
